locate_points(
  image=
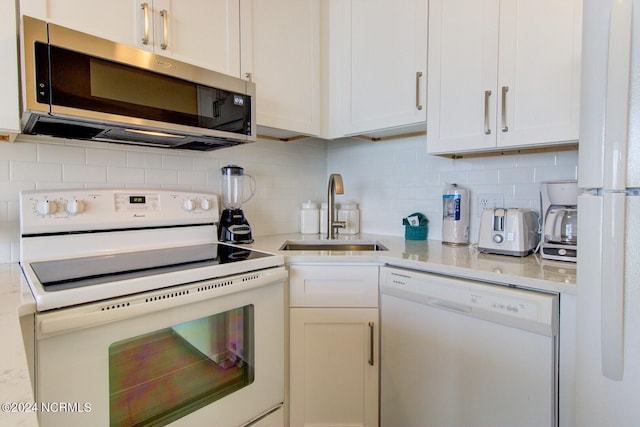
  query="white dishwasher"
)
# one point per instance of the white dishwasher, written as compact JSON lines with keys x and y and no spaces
{"x":462,"y":353}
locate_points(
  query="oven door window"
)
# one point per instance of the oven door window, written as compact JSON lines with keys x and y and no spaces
{"x":164,"y":375}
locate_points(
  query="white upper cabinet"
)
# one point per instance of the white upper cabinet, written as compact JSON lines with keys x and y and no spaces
{"x":9,"y":110}
{"x":376,"y":65}
{"x":503,"y":73}
{"x":201,"y":32}
{"x":113,"y":20}
{"x":281,"y":55}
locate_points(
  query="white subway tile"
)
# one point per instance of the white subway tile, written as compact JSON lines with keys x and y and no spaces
{"x":84,"y":174}
{"x":19,"y":151}
{"x":106,"y":157}
{"x":35,"y":172}
{"x":484,"y":177}
{"x":141,"y":159}
{"x":192,"y":178}
{"x":119,"y":176}
{"x":517,"y":175}
{"x":64,"y":154}
{"x":177,"y":162}
{"x":161,"y":176}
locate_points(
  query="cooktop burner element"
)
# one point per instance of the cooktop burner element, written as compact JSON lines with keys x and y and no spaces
{"x":79,"y":246}
{"x":70,"y":273}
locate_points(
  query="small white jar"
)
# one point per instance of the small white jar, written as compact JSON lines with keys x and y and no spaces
{"x":350,"y":214}
{"x":309,"y":218}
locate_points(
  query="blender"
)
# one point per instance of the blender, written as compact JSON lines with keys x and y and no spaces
{"x":234,"y":227}
{"x":560,"y":207}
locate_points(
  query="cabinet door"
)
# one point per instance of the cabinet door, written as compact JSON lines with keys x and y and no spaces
{"x":113,"y":20}
{"x":463,"y":65}
{"x":503,"y":73}
{"x":334,"y":367}
{"x":281,"y":55}
{"x":540,"y":51}
{"x":9,"y":110}
{"x":381,"y":49}
{"x":200,"y":32}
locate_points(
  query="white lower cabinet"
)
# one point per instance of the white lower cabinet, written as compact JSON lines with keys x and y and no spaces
{"x":334,"y":345}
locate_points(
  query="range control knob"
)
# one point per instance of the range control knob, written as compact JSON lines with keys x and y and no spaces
{"x":74,"y":207}
{"x":498,"y":238}
{"x":205,"y":204}
{"x":46,"y":207}
{"x":189,"y":204}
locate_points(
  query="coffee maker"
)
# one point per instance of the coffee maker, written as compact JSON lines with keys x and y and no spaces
{"x":234,"y":227}
{"x":559,"y":200}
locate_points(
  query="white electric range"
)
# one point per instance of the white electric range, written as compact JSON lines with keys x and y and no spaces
{"x":143,"y":316}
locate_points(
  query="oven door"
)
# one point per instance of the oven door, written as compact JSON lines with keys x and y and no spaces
{"x":187,"y":355}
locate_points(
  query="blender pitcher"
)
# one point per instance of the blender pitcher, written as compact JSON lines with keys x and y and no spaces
{"x":233,"y":187}
{"x":234,"y":226}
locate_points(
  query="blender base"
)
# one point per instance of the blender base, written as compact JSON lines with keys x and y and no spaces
{"x":234,"y":227}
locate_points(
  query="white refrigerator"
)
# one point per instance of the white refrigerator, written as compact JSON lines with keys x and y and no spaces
{"x":608,"y":290}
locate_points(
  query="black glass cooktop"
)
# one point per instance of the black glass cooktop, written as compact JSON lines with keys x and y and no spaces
{"x":85,"y":271}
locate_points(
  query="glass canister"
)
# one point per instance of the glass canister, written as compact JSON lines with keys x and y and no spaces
{"x":350,"y":214}
{"x":309,"y":218}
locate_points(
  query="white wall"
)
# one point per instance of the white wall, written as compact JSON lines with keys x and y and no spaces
{"x":286,"y":175}
{"x":393,"y":179}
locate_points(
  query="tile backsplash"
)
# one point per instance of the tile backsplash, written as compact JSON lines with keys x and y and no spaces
{"x":286,"y":174}
{"x":389,"y":179}
{"x":395,"y":178}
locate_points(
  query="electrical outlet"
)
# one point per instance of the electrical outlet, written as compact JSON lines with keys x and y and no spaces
{"x":489,"y":201}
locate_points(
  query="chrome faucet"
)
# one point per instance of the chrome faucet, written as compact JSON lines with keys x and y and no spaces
{"x":335,"y":187}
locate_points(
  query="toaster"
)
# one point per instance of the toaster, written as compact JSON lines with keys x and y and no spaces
{"x":513,"y":231}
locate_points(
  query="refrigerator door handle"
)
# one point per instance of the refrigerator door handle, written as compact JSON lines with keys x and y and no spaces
{"x":613,"y":267}
{"x":616,"y":123}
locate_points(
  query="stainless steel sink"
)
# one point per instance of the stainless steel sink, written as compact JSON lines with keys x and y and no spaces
{"x":332,"y":245}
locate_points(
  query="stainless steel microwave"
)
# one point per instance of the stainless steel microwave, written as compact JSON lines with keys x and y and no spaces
{"x":75,"y":85}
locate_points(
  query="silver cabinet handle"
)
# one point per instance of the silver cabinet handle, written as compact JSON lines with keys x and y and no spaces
{"x":145,"y":14}
{"x":487,"y":125}
{"x":505,"y":89}
{"x":418,"y":76}
{"x":165,"y":29}
{"x":371,"y":348}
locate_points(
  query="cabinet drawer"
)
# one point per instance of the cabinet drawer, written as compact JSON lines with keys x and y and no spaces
{"x":333,"y":286}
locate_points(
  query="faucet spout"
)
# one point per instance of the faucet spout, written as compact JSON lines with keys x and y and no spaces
{"x":335,"y":187}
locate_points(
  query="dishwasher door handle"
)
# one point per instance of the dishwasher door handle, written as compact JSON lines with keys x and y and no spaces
{"x":449,"y":305}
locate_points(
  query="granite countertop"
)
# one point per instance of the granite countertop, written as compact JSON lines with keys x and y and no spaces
{"x":426,"y":255}
{"x":432,"y":256}
{"x":15,"y":381}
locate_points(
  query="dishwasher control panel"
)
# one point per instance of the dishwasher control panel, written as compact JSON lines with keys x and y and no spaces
{"x":525,"y":309}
